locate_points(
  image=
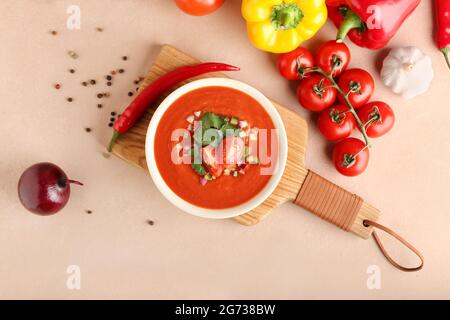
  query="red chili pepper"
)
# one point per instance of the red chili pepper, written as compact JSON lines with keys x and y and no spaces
{"x":443,"y":27}
{"x":369,"y":23}
{"x":136,"y":109}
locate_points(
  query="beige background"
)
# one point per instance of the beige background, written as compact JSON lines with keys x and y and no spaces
{"x":292,"y":254}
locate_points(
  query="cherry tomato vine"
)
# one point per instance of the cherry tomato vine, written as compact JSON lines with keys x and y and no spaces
{"x":348,"y":160}
{"x":341,"y":96}
{"x":345,"y":96}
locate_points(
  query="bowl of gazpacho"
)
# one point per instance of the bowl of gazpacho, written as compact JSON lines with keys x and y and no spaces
{"x":216,"y":148}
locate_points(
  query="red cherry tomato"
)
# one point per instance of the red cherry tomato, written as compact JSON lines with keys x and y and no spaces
{"x":336,"y":123}
{"x":378,"y":117}
{"x":199,"y":7}
{"x":360,"y":82}
{"x":314,"y":93}
{"x":350,"y":157}
{"x":290,"y":64}
{"x":333,"y":57}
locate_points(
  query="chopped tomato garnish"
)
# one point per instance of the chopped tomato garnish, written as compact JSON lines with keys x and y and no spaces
{"x":233,"y":148}
{"x":211,"y":162}
{"x":228,"y":155}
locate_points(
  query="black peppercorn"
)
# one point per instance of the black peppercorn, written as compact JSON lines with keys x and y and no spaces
{"x":93,"y":81}
{"x":100,"y":95}
{"x":130,"y":94}
{"x":108,"y":77}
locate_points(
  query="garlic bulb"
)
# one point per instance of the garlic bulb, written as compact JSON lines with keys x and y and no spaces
{"x":407,"y":71}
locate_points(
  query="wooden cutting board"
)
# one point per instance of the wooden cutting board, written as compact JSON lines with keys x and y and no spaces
{"x":131,"y":146}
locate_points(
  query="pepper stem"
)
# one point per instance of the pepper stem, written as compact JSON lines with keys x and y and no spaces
{"x":446,"y":52}
{"x":113,"y":139}
{"x":351,"y":21}
{"x":286,"y":16}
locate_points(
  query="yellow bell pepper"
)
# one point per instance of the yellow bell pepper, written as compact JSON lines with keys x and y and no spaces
{"x":280,"y":26}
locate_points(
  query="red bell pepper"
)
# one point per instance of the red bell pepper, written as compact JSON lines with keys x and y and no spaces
{"x":369,"y":23}
{"x":443,"y":27}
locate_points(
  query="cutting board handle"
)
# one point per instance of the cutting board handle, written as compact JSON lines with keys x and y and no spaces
{"x":349,"y":212}
{"x":336,"y":205}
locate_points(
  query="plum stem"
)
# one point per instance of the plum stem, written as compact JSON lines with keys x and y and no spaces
{"x":75,"y":182}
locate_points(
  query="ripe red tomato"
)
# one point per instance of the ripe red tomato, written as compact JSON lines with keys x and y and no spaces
{"x":350,"y":157}
{"x":314,"y":93}
{"x":290,"y":64}
{"x":199,"y":7}
{"x":360,"y":82}
{"x":335,"y":123}
{"x":379,"y":118}
{"x":333,"y":57}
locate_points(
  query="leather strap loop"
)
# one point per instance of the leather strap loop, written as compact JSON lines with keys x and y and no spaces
{"x":340,"y":207}
{"x":399,"y":238}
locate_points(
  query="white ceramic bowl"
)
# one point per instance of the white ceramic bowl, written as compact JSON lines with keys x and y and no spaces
{"x":216,"y":213}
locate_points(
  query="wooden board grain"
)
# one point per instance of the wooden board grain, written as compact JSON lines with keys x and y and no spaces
{"x":131,"y":146}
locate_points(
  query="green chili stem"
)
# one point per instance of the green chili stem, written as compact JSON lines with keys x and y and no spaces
{"x":113,"y":140}
{"x":446,"y":51}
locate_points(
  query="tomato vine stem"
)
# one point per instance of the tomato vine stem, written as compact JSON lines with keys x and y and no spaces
{"x":349,"y":159}
{"x":347,"y":101}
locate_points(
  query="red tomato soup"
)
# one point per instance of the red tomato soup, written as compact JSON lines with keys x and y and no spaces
{"x":228,"y":188}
